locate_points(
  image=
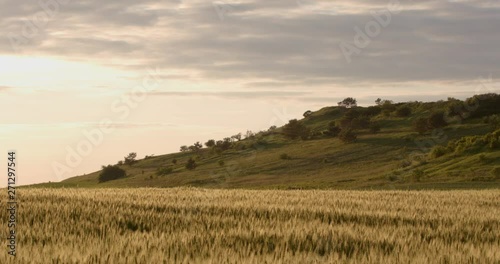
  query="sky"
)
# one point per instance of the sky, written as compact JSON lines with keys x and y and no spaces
{"x":83,"y":83}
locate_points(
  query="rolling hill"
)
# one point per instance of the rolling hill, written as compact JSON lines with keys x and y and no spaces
{"x":412,"y":145}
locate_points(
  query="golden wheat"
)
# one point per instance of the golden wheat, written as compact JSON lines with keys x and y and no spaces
{"x":185,"y":225}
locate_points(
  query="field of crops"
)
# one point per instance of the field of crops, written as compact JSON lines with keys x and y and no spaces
{"x":184,"y":225}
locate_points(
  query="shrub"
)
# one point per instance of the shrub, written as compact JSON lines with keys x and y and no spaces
{"x":372,"y":110}
{"x":307,"y":113}
{"x":387,"y":107}
{"x":438,"y":151}
{"x":420,"y":125}
{"x":130,"y":159}
{"x":348,"y":136}
{"x":348,"y":102}
{"x":294,"y":129}
{"x":191,"y":164}
{"x":210,"y":143}
{"x":392,"y":177}
{"x":403,"y":111}
{"x":436,"y":120}
{"x":174,"y":161}
{"x":418,"y":174}
{"x":495,"y":172}
{"x":221,"y":163}
{"x":110,"y":172}
{"x":333,"y":130}
{"x":285,"y":156}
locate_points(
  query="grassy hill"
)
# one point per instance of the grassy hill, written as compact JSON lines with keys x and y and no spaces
{"x":462,"y":152}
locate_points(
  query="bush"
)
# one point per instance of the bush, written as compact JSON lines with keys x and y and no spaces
{"x":285,"y":156}
{"x":403,"y":111}
{"x":372,"y":110}
{"x":348,"y":136}
{"x":418,"y":174}
{"x":191,"y":164}
{"x":387,"y":107}
{"x":438,"y":151}
{"x":392,"y":177}
{"x":294,"y":129}
{"x":333,"y":130}
{"x":174,"y":161}
{"x":130,"y":159}
{"x":110,"y":172}
{"x":495,"y":172}
{"x":420,"y":125}
{"x":221,"y":163}
{"x":436,"y":120}
{"x":164,"y":171}
{"x":348,"y":102}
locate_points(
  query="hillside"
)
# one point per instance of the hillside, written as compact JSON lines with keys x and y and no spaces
{"x":414,"y":145}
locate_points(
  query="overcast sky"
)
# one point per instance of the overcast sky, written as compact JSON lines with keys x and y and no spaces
{"x":161,"y":74}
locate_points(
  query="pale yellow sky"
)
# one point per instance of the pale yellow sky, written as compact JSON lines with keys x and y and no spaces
{"x":172,"y":73}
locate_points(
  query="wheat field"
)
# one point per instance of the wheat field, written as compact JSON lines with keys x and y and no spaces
{"x":188,"y":225}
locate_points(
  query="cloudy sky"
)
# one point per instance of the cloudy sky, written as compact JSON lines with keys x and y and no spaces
{"x":82,"y":83}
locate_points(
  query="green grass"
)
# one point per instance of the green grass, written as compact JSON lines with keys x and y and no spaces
{"x":374,"y":161}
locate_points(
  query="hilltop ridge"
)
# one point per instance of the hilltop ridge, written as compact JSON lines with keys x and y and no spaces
{"x":443,"y":144}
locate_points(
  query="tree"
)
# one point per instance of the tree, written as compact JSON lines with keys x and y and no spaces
{"x":237,"y":137}
{"x":294,"y":129}
{"x":184,"y":148}
{"x":307,"y":113}
{"x":420,"y":125}
{"x":387,"y":107}
{"x":348,"y":102}
{"x":403,"y":111}
{"x":210,"y":143}
{"x":195,"y":147}
{"x":333,"y":129}
{"x":378,"y":101}
{"x":436,"y":120}
{"x":130,"y":159}
{"x":110,"y":172}
{"x":198,"y":145}
{"x":348,"y":135}
{"x":249,"y":134}
{"x":191,"y":164}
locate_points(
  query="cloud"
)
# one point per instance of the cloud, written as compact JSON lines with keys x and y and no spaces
{"x":235,"y":95}
{"x":4,"y":88}
{"x":288,"y":43}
